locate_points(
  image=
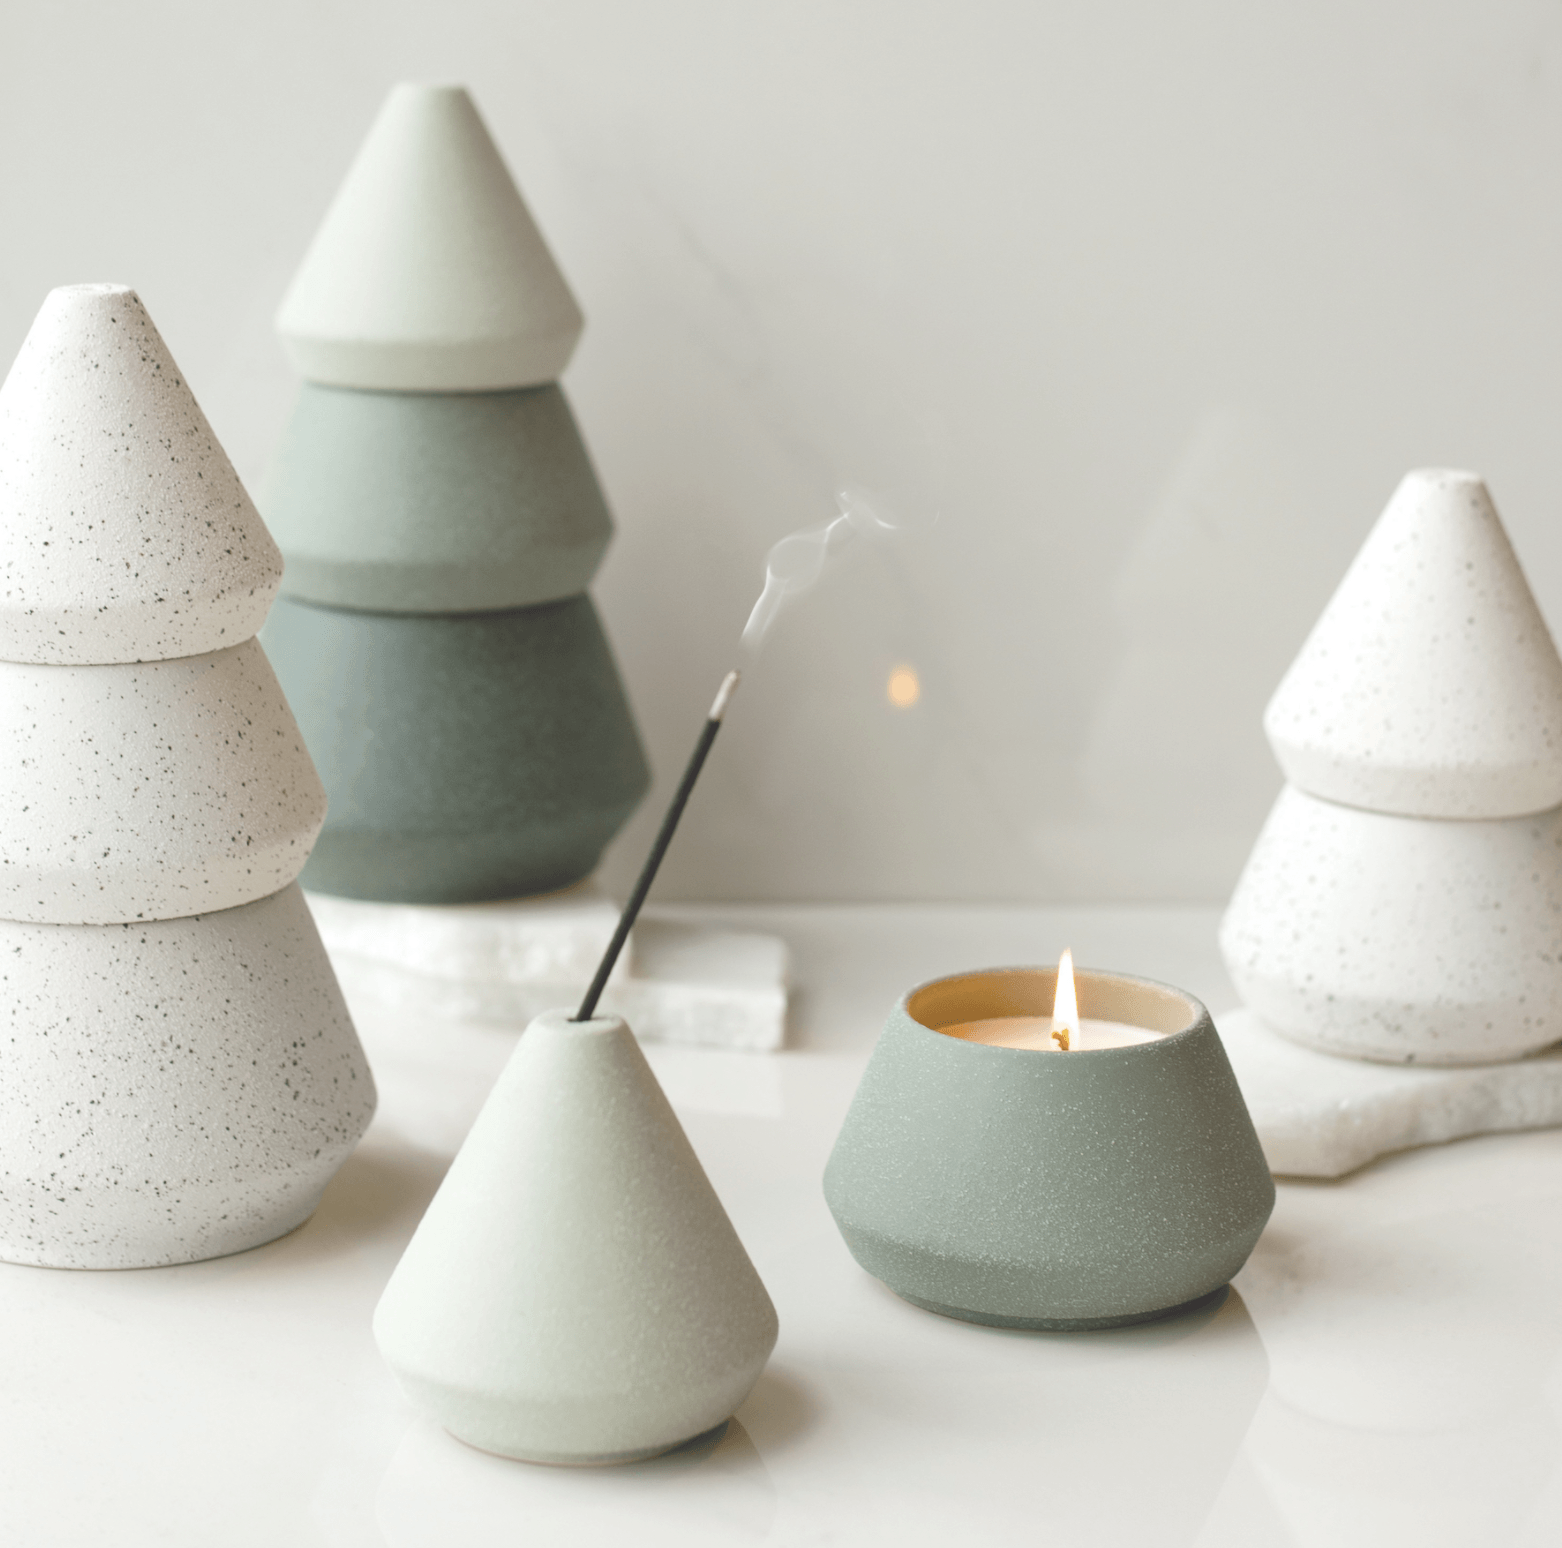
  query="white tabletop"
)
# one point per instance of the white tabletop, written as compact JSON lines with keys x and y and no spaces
{"x":1386,"y":1370}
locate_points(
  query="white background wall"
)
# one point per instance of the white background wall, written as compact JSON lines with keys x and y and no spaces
{"x":1153,"y":301}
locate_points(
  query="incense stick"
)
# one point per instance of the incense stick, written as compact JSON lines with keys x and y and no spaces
{"x":663,"y":838}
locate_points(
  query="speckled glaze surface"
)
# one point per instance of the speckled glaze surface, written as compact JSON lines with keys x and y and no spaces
{"x":150,"y":790}
{"x":173,"y":1090}
{"x":575,"y":1292}
{"x":1049,"y":1190}
{"x":1401,"y":939}
{"x":1430,"y":686}
{"x":435,"y":502}
{"x":125,"y":534}
{"x":466,"y":756}
{"x":428,"y":273}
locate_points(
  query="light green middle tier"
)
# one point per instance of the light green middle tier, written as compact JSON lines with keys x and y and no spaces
{"x":401,"y":502}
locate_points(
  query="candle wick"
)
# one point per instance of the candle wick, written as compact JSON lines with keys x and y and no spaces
{"x":1060,"y":1037}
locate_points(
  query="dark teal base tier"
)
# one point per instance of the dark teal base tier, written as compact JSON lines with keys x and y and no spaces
{"x":465,"y":756}
{"x":1032,"y":1189}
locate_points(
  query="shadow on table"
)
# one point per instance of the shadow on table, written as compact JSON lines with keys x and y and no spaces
{"x":437,"y":1491}
{"x":377,"y":1197}
{"x":780,"y":1410}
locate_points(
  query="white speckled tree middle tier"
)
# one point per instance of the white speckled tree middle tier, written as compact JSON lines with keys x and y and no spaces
{"x":150,"y":790}
{"x":125,"y":534}
{"x":173,"y":1090}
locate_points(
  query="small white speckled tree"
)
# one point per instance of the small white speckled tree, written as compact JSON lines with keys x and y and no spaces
{"x":1404,"y":900}
{"x":179,"y":1077}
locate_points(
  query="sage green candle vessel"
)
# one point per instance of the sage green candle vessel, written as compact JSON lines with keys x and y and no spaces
{"x":1038,"y":1189}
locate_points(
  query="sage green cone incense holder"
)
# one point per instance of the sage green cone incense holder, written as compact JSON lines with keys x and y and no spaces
{"x":576,"y":1293}
{"x":464,"y":756}
{"x":402,"y":502}
{"x":1037,"y":1189}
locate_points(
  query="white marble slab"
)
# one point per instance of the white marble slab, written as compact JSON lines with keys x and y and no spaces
{"x":507,"y":962}
{"x":1318,"y":1115}
{"x":559,"y":937}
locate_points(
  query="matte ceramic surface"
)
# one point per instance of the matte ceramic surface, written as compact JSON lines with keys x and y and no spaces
{"x":435,"y":502}
{"x":1049,"y":1190}
{"x":150,"y":790}
{"x":125,"y":534}
{"x":576,"y":1292}
{"x":1321,"y":1116}
{"x":172,"y":1090}
{"x":466,"y":757}
{"x":428,"y":273}
{"x":1403,"y":939}
{"x":1430,"y":686}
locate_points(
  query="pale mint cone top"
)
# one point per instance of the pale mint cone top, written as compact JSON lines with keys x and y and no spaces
{"x":1430,"y":686}
{"x":428,"y":273}
{"x":125,"y":534}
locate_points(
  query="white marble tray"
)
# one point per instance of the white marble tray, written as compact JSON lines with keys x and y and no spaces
{"x":1322,"y":1116}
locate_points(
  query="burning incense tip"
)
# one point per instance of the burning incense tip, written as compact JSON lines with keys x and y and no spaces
{"x":663,"y":838}
{"x":729,"y":686}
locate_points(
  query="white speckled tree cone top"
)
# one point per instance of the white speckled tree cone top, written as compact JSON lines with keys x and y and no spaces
{"x":1430,"y":686}
{"x":150,"y":790}
{"x":428,"y":273}
{"x":576,"y":1292}
{"x":125,"y":534}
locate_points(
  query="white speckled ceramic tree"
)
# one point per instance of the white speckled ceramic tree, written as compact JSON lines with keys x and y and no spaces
{"x":179,"y":1077}
{"x":1404,"y":900}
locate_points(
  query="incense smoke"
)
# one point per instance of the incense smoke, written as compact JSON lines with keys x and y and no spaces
{"x":798,"y":560}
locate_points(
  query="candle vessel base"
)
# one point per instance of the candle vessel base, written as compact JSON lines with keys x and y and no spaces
{"x":1024,"y":1188}
{"x":604,"y":1459}
{"x":1068,"y":1324}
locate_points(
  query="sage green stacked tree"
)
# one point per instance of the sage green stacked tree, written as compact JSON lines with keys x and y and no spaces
{"x":441,"y":520}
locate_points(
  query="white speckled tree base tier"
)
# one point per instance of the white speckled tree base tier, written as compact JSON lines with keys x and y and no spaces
{"x":1322,"y":1116}
{"x":172,"y":1090}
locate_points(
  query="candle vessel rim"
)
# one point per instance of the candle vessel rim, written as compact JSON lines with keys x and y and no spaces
{"x":984,"y":993}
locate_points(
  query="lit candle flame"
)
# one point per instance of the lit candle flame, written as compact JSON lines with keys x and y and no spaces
{"x":1065,"y":1007}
